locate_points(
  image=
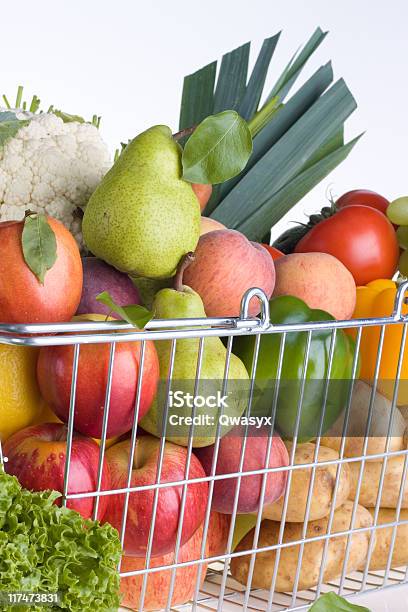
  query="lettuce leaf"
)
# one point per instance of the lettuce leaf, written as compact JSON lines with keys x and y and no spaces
{"x":331,"y":602}
{"x":48,"y":549}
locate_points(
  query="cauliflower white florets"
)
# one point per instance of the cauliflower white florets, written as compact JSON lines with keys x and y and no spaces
{"x":52,"y":167}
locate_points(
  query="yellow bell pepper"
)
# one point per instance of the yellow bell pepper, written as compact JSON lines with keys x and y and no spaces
{"x":376,"y":300}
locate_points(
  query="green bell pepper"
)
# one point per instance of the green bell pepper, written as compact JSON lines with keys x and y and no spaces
{"x":287,"y":309}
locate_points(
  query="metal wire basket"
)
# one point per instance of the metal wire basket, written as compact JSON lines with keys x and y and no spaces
{"x":220,"y":591}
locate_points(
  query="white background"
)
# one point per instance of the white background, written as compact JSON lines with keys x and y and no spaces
{"x":126,"y":60}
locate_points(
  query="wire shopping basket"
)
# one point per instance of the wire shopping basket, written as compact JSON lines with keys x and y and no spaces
{"x":339,"y":523}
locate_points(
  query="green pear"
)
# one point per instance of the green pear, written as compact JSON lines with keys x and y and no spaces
{"x":143,"y":217}
{"x":184,"y":303}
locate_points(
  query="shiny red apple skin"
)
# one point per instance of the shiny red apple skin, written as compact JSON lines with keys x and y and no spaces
{"x":23,"y":299}
{"x":228,"y":462}
{"x":158,"y":583}
{"x":144,"y":472}
{"x":54,"y":374}
{"x":36,"y":455}
{"x":217,"y":534}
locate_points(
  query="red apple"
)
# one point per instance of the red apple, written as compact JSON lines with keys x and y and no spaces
{"x":144,"y":472}
{"x":54,"y":373}
{"x":217,"y":534}
{"x":158,"y":583}
{"x":23,"y":299}
{"x":255,"y":458}
{"x":37,"y":455}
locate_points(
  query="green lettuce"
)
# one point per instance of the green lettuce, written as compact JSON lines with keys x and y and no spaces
{"x":330,"y":602}
{"x":48,"y":549}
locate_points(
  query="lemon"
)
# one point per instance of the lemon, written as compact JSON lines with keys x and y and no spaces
{"x":20,"y":401}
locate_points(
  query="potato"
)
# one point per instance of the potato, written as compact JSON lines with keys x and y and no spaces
{"x":371,"y":480}
{"x":379,"y":556}
{"x":357,"y":423}
{"x":323,"y":486}
{"x":312,"y":552}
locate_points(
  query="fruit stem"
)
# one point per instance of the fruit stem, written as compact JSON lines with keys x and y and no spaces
{"x":185,"y":261}
{"x":185,"y":132}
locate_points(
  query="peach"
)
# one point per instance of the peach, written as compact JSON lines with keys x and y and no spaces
{"x":318,"y":279}
{"x":210,"y":225}
{"x":226,"y":265}
{"x":203,"y":192}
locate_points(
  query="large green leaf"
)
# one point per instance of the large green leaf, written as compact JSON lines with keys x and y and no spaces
{"x":39,"y":245}
{"x":250,"y":102}
{"x":279,"y":125}
{"x":218,"y":149}
{"x":197,"y":100}
{"x":135,"y":314}
{"x":287,"y":157}
{"x":279,"y":203}
{"x":231,"y":82}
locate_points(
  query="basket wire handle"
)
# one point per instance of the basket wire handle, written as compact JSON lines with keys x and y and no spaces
{"x":255,"y":292}
{"x":400,"y":300}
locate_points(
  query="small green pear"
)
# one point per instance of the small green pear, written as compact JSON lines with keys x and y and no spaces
{"x":211,"y":404}
{"x":143,"y":217}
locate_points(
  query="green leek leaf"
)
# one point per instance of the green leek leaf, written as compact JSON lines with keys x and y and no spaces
{"x":197,"y":100}
{"x":231,"y":83}
{"x":293,"y":69}
{"x":285,"y":82}
{"x":253,"y":93}
{"x":287,"y":158}
{"x":279,"y":203}
{"x":289,"y":136}
{"x":280,"y":124}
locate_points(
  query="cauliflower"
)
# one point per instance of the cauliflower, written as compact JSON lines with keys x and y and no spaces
{"x":51,"y":166}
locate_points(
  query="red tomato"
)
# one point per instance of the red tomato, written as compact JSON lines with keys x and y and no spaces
{"x":361,"y":237}
{"x":363,"y":197}
{"x":274,"y":253}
